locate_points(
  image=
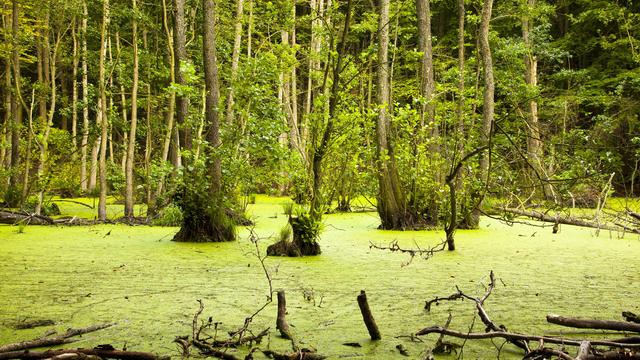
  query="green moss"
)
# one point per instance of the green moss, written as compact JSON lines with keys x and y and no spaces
{"x":149,"y":285}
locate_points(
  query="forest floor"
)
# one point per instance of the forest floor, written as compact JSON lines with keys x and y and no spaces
{"x":138,"y":278}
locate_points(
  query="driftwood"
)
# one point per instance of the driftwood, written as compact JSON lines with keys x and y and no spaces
{"x":52,"y":339}
{"x":593,"y":324}
{"x":81,"y":354}
{"x":369,"y":321}
{"x":568,"y":220}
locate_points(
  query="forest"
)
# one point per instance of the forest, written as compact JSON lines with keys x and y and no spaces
{"x":202,"y":152}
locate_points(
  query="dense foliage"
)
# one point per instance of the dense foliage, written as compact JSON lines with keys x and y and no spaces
{"x":567,"y":84}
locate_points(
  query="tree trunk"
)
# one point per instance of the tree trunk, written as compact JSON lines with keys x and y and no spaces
{"x":212,"y":97}
{"x":205,"y":218}
{"x":74,"y":90}
{"x":391,"y":202}
{"x":427,"y":82}
{"x":16,"y":109}
{"x":182,"y":101}
{"x":534,"y":141}
{"x":235,"y":59}
{"x":169,"y":114}
{"x":489,"y":91}
{"x":85,"y":102}
{"x":317,"y":201}
{"x":129,"y":191}
{"x":104,"y":119}
{"x":44,"y":155}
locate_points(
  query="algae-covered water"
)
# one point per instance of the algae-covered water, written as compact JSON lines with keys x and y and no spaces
{"x":147,"y":284}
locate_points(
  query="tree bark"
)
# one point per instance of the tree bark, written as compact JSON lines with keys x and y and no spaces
{"x":129,"y":180}
{"x":50,"y":340}
{"x":74,"y":89}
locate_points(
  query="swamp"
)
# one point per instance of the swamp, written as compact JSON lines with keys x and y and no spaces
{"x":319,"y":179}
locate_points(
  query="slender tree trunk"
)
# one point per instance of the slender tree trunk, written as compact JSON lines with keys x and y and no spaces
{"x":95,"y":153}
{"x":104,"y":120}
{"x":85,"y":101}
{"x":123,"y":108}
{"x":319,"y":153}
{"x":182,"y":101}
{"x":129,"y":192}
{"x":74,"y":90}
{"x":235,"y":59}
{"x":489,"y":91}
{"x":16,"y":109}
{"x":169,"y":114}
{"x":534,"y":141}
{"x":250,"y":29}
{"x":391,"y":202}
{"x":427,"y":82}
{"x":5,"y":160}
{"x":51,"y":54}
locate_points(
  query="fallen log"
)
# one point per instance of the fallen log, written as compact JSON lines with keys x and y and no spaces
{"x":593,"y":324}
{"x":51,"y":340}
{"x":101,"y":353}
{"x":521,"y":337}
{"x":13,"y":217}
{"x":566,"y":220}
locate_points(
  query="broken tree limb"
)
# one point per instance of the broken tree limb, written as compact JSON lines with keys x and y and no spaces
{"x":593,"y":324}
{"x":369,"y":321}
{"x":102,"y":353}
{"x":281,"y":321}
{"x":566,"y":220}
{"x":51,"y":340}
{"x":520,"y":337}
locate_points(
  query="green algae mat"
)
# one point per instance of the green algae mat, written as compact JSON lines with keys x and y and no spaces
{"x":147,"y":284}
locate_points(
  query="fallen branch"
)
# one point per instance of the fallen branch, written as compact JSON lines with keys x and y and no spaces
{"x":425,"y":253}
{"x":593,"y":324}
{"x":52,"y":339}
{"x":566,"y":220}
